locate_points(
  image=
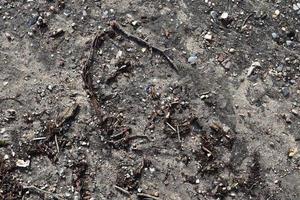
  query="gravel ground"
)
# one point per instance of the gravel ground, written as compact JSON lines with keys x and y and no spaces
{"x":136,"y":99}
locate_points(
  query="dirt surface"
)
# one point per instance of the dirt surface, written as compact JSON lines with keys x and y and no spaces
{"x":91,"y":106}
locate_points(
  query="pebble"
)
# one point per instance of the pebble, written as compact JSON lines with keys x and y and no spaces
{"x":279,"y":68}
{"x":22,"y":163}
{"x":2,"y":130}
{"x":192,"y":59}
{"x":224,"y":15}
{"x":295,"y":112}
{"x":289,"y":42}
{"x":119,"y":54}
{"x":214,"y":15}
{"x":292,"y":152}
{"x":285,"y":91}
{"x":8,"y":36}
{"x":152,"y":169}
{"x":52,"y":8}
{"x":275,"y":36}
{"x":296,"y":6}
{"x":231,"y":50}
{"x":105,"y":14}
{"x":30,"y":34}
{"x":276,"y":13}
{"x":228,"y":65}
{"x":208,"y":36}
{"x":135,"y":23}
{"x":50,"y":87}
{"x":254,"y":65}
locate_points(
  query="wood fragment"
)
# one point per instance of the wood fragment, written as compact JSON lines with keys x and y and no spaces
{"x":32,"y":187}
{"x":245,"y":21}
{"x":56,"y":143}
{"x":178,"y":133}
{"x":122,"y":190}
{"x":10,"y":98}
{"x":67,"y":114}
{"x":88,"y":77}
{"x":144,"y":195}
{"x":169,"y":125}
{"x":39,"y":138}
{"x":117,"y":28}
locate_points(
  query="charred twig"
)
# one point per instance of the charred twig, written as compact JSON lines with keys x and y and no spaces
{"x":87,"y":74}
{"x":32,"y":187}
{"x":56,"y":143}
{"x":144,"y":195}
{"x":122,"y":190}
{"x":169,"y":125}
{"x":133,"y":137}
{"x":11,"y":98}
{"x":80,"y":170}
{"x":67,"y":114}
{"x":125,"y":67}
{"x":39,"y":138}
{"x":247,"y":18}
{"x":178,"y":133}
{"x":117,"y":28}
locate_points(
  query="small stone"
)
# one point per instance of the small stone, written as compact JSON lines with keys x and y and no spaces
{"x":228,"y":65}
{"x":119,"y":54}
{"x":23,"y":163}
{"x":197,"y":181}
{"x":2,"y":130}
{"x":214,"y":15}
{"x":152,"y":169}
{"x":276,"y":13}
{"x":292,"y":152}
{"x":289,"y":43}
{"x":105,"y":14}
{"x":84,"y":13}
{"x":285,"y":91}
{"x":52,"y":8}
{"x":5,"y":83}
{"x":275,"y":36}
{"x":296,"y":6}
{"x":208,"y":36}
{"x":232,"y":194}
{"x":279,"y":68}
{"x":254,"y":65}
{"x":226,"y":129}
{"x":295,"y":112}
{"x":8,"y":36}
{"x":231,"y":50}
{"x":192,"y":59}
{"x":287,"y":118}
{"x":224,"y":15}
{"x":135,"y":23}
{"x":67,"y":194}
{"x":50,"y":87}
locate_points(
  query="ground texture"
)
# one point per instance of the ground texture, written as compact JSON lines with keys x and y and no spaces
{"x":89,"y":112}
